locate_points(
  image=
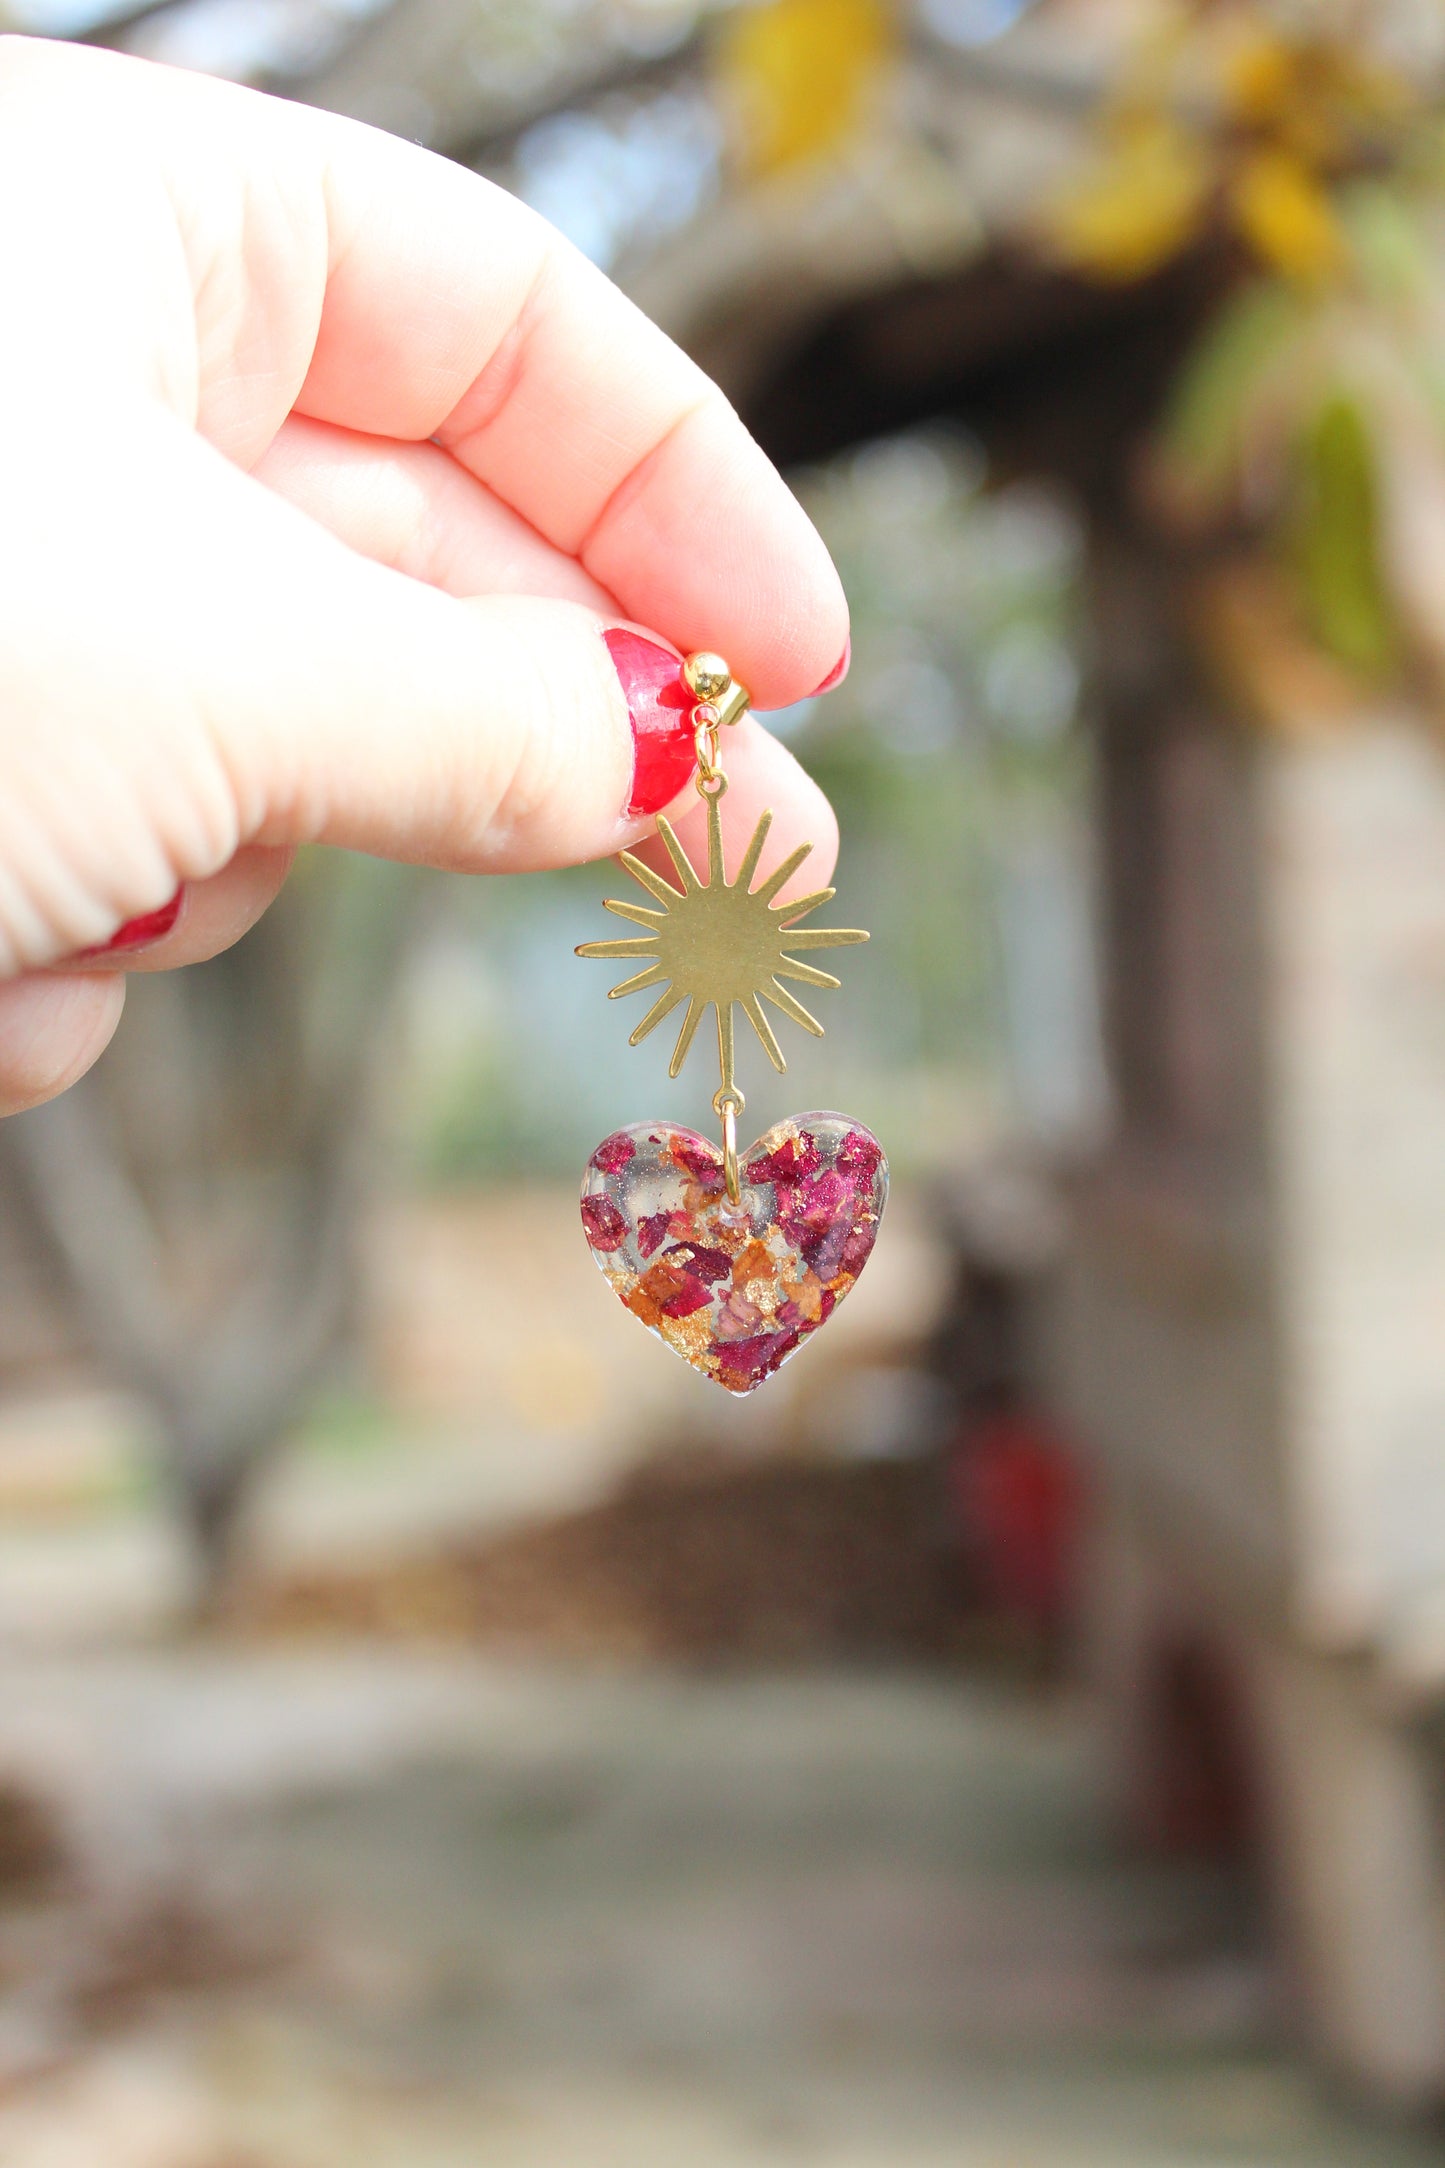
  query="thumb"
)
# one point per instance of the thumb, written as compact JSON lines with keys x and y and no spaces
{"x":192,"y":665}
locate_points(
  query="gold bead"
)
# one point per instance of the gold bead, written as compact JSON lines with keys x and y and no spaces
{"x":708,"y":676}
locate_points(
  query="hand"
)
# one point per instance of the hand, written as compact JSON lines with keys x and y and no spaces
{"x":325,"y":465}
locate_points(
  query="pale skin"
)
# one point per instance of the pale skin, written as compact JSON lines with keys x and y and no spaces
{"x":324,"y":462}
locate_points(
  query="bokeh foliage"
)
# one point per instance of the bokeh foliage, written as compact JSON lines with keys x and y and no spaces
{"x":1303,"y":149}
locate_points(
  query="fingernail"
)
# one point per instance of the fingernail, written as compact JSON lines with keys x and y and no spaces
{"x":138,"y":933}
{"x":839,"y":670}
{"x":660,"y":707}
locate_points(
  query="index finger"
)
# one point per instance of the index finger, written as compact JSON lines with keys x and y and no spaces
{"x":357,"y":279}
{"x":451,"y":310}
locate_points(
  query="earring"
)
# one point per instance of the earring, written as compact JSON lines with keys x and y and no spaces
{"x":733,"y":1259}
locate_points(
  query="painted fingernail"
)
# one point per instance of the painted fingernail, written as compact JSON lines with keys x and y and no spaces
{"x":660,"y":707}
{"x":138,"y":933}
{"x":839,"y":670}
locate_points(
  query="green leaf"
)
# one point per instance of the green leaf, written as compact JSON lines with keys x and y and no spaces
{"x":1337,"y":539}
{"x":1203,"y":426}
{"x":1389,"y":246}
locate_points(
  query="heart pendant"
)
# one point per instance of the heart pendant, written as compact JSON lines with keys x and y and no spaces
{"x":735,"y":1288}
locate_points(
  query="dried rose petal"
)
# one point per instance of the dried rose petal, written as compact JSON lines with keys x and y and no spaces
{"x":737,"y":1318}
{"x":605,"y":1224}
{"x":682,"y":1258}
{"x":614,"y":1153}
{"x":858,"y":1249}
{"x":742,"y":1364}
{"x":790,"y":1161}
{"x":698,"y":1158}
{"x":859,"y":1154}
{"x":691,"y":1296}
{"x":653,"y":1230}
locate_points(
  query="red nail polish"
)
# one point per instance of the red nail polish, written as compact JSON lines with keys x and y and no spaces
{"x":140,"y":933}
{"x":839,"y":670}
{"x":660,"y":707}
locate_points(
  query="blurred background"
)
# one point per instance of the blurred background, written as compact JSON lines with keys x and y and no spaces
{"x":433,"y":1729}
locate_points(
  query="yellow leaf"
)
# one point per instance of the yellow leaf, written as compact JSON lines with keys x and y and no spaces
{"x":1259,"y":78}
{"x":1287,"y":217}
{"x":1140,"y":206}
{"x":800,"y":74}
{"x":1316,"y":96}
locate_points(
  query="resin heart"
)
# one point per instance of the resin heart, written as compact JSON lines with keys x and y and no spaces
{"x":735,"y":1288}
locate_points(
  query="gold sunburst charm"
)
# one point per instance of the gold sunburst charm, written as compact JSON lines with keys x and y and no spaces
{"x":718,"y":943}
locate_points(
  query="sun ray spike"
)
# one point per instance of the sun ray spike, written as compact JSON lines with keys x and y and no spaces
{"x":638,"y":913}
{"x":643,"y":944}
{"x":655,"y":885}
{"x":805,"y":974}
{"x":686,"y":1036}
{"x":691,"y":883}
{"x":824,"y":937}
{"x":716,"y":876}
{"x":664,"y":1005}
{"x":654,"y":976}
{"x":782,"y":999}
{"x":781,"y":875}
{"x":786,"y":913}
{"x":753,"y":1012}
{"x":754,"y":851}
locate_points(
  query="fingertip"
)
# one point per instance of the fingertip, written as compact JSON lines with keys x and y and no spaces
{"x":52,"y":1029}
{"x":798,"y":638}
{"x":708,"y":544}
{"x":838,"y":672}
{"x":788,"y":668}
